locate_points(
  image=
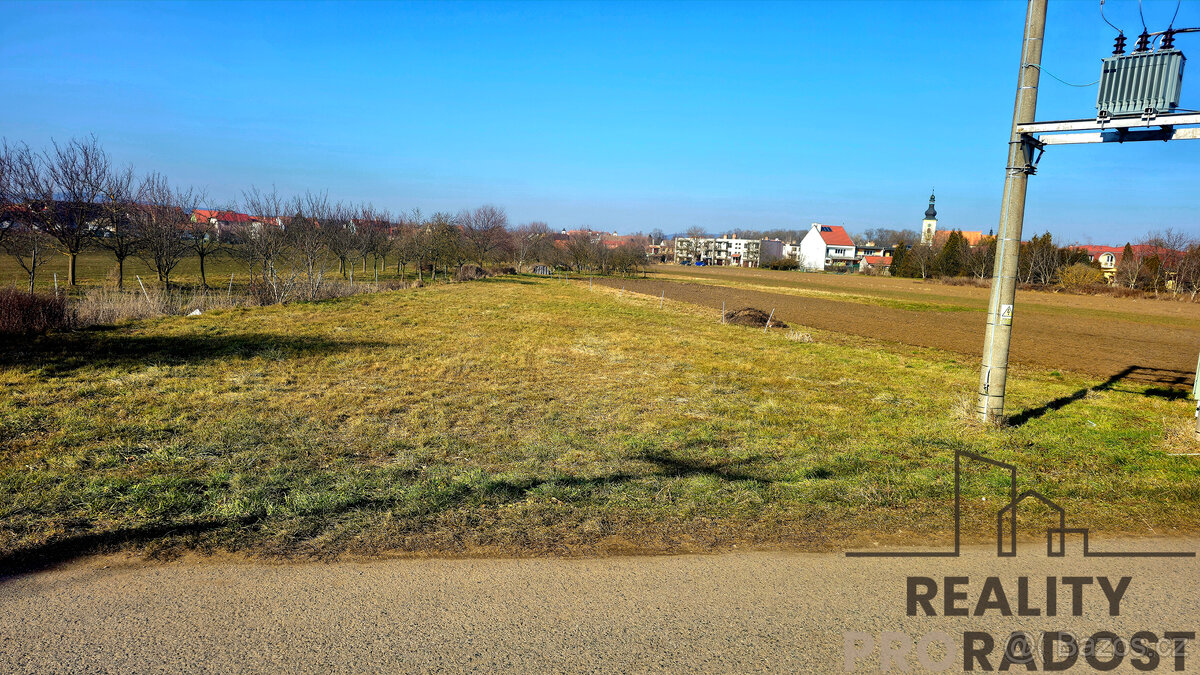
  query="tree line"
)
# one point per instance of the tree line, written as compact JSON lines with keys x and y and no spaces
{"x":70,"y":198}
{"x":1163,"y":262}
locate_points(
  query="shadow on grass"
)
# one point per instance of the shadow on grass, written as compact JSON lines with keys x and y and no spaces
{"x":111,"y":347}
{"x":666,"y":467}
{"x":65,"y":549}
{"x":1174,"y":379}
{"x":495,"y":492}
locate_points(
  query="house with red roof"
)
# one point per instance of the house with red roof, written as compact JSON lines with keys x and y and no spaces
{"x":826,"y":247}
{"x":875,"y":262}
{"x":1109,"y":257}
{"x":224,"y":221}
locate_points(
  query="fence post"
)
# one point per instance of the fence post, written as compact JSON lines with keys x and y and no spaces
{"x":139,"y":278}
{"x":661,"y":298}
{"x":722,"y":312}
{"x":769,"y":320}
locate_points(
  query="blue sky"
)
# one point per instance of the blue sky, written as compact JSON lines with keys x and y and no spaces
{"x":619,"y":116}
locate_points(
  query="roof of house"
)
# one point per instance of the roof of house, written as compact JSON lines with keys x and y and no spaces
{"x":835,"y":235}
{"x":877,"y":259}
{"x":973,"y":237}
{"x":1095,"y":251}
{"x":223,"y":216}
{"x":1144,"y":250}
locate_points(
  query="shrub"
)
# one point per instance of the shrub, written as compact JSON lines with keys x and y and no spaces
{"x":1079,"y":275}
{"x":22,"y":313}
{"x":469,"y":273}
{"x":783,"y":264}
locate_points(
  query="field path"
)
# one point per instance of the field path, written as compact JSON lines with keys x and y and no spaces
{"x":1146,"y":348}
{"x":776,"y":612}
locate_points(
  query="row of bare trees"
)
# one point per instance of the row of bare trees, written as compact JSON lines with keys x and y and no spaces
{"x":71,"y":198}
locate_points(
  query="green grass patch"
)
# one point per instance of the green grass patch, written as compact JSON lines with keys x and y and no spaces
{"x":514,"y":417}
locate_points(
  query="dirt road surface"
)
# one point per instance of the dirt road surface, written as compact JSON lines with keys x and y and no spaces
{"x":1140,"y":346}
{"x":762,"y":611}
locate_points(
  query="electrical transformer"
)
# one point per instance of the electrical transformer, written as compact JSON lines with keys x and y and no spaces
{"x":1140,"y":83}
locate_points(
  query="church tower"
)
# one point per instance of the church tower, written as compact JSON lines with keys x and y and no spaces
{"x":929,"y":225}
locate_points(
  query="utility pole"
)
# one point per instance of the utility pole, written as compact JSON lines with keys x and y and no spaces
{"x":1012,"y":215}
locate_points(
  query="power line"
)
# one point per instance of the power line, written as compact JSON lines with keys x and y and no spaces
{"x":1106,"y":19}
{"x":1069,"y":84}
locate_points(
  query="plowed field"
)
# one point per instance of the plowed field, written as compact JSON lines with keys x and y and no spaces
{"x":1141,"y":339}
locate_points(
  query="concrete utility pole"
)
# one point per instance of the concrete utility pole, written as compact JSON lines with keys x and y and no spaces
{"x":1012,"y":215}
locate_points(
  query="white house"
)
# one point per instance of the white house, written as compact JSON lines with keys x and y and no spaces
{"x":826,"y":246}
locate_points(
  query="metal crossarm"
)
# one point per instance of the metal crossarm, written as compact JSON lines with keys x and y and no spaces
{"x":1172,"y":127}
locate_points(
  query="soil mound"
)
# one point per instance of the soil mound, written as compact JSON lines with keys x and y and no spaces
{"x":752,"y":316}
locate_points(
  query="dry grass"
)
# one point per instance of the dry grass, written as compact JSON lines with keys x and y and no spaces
{"x":108,"y":306}
{"x":519,"y":416}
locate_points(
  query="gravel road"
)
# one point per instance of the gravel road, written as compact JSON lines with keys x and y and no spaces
{"x":740,"y":612}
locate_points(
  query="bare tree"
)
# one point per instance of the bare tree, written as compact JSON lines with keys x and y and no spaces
{"x":529,"y":242}
{"x":630,"y":257}
{"x":308,"y":233}
{"x":1129,"y":268}
{"x":445,"y":242}
{"x":29,"y":247}
{"x":373,"y":225}
{"x":1188,"y":279}
{"x":422,"y":243}
{"x":204,"y":240}
{"x":921,"y":259}
{"x":162,"y":215}
{"x":580,"y":251}
{"x":982,"y":258}
{"x":485,"y":233}
{"x":265,"y":245}
{"x":1170,"y":248}
{"x":9,"y":206}
{"x":120,"y":234}
{"x":342,"y":237}
{"x":404,"y":241}
{"x":1039,"y":260}
{"x":70,"y":192}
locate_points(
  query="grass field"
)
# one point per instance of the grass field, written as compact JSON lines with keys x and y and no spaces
{"x":97,"y":268}
{"x":526,"y":416}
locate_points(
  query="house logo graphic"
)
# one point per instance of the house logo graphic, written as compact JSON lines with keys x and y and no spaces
{"x":1006,"y":524}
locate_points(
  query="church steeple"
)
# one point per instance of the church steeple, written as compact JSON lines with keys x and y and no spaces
{"x":929,"y":225}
